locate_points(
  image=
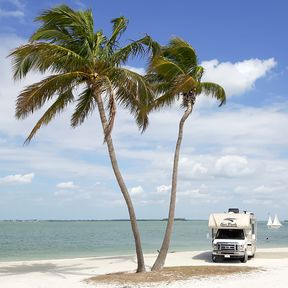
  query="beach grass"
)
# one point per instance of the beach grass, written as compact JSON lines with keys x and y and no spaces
{"x":169,"y":274}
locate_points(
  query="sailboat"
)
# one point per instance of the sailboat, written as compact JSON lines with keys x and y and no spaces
{"x":269,"y":223}
{"x":276,"y":224}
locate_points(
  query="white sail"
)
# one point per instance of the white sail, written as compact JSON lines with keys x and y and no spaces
{"x":269,"y":223}
{"x":276,"y":223}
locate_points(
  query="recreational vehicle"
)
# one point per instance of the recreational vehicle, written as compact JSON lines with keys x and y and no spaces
{"x":233,"y":235}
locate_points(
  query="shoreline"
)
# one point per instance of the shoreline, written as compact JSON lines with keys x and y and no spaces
{"x":276,"y":251}
{"x":72,"y":273}
{"x":113,"y":256}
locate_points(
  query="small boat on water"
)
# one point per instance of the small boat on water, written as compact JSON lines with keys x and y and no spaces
{"x":276,"y":224}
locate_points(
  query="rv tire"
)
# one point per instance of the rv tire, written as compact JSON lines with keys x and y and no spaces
{"x":215,"y":258}
{"x":245,"y":258}
{"x":251,"y":256}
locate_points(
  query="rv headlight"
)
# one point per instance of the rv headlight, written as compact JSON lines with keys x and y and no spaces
{"x":215,"y":246}
{"x":241,"y":247}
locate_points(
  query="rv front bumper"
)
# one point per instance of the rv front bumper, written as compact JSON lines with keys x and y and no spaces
{"x":229,"y":255}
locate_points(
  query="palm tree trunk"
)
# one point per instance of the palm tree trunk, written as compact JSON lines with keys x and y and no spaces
{"x":160,"y":261}
{"x":123,"y":188}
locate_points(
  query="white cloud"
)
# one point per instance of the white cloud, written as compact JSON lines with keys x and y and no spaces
{"x":270,"y":191}
{"x":17,"y":179}
{"x":11,"y":13}
{"x":194,"y":193}
{"x":189,"y":168}
{"x":138,"y":70}
{"x":17,"y":3}
{"x":232,"y":166}
{"x":198,"y":169}
{"x":210,"y":135}
{"x":17,"y":11}
{"x":163,"y":189}
{"x":237,"y":78}
{"x":66,"y":185}
{"x":138,"y":190}
{"x":64,"y":193}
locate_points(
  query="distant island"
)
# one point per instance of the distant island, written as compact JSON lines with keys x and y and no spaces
{"x":84,"y":220}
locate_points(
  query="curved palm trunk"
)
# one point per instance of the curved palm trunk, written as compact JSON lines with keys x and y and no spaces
{"x":160,"y":261}
{"x":124,"y":190}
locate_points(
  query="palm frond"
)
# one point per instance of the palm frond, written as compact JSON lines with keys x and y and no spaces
{"x":139,"y":47}
{"x":165,"y":100}
{"x":67,"y":46}
{"x":36,"y":95}
{"x":165,"y":68}
{"x":99,"y":40}
{"x":119,"y":27}
{"x":132,"y":92}
{"x":85,"y":106}
{"x":176,"y":72}
{"x":64,"y":26}
{"x":169,"y":91}
{"x":56,"y":108}
{"x":197,"y":72}
{"x":140,"y":89}
{"x":182,"y":53}
{"x":141,"y":117}
{"x":44,"y":57}
{"x":183,"y":84}
{"x":214,"y":90}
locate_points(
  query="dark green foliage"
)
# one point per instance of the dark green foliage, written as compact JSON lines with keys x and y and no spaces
{"x":175,"y":72}
{"x":74,"y":55}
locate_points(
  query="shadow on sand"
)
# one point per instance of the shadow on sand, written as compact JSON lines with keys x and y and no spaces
{"x":60,"y":270}
{"x":204,"y":256}
{"x":207,"y":257}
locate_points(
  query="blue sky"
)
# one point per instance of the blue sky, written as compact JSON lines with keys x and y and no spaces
{"x":231,"y":156}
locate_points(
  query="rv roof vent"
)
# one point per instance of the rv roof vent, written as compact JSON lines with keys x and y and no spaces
{"x":233,"y":210}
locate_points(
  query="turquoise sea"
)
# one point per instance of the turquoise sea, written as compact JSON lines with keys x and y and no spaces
{"x":72,"y":239}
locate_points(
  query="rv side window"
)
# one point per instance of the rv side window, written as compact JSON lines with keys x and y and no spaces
{"x":230,"y":234}
{"x":253,"y":228}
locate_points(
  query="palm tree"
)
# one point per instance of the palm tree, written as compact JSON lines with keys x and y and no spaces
{"x":175,"y":73}
{"x":75,"y":55}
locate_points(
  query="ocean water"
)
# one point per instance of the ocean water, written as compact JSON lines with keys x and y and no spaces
{"x":52,"y":240}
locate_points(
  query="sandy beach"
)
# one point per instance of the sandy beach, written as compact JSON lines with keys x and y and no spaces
{"x":72,"y":273}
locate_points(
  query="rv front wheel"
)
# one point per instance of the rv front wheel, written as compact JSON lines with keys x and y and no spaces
{"x":215,"y":258}
{"x":245,"y":258}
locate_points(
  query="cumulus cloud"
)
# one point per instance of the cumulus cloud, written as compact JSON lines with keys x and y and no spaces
{"x":163,"y":189}
{"x":138,"y":190}
{"x":239,"y":77}
{"x":270,"y":190}
{"x":16,"y":10}
{"x":139,"y":70}
{"x":195,"y":193}
{"x":17,"y":3}
{"x":14,"y":13}
{"x":250,"y":131}
{"x":232,"y":166}
{"x":198,"y":169}
{"x":64,"y":193}
{"x":66,"y":185}
{"x":191,"y":169}
{"x":17,"y":179}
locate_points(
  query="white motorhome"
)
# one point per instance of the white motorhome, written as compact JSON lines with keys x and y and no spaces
{"x":233,"y":235}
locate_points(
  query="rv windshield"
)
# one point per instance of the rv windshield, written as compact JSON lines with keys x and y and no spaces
{"x":230,"y":234}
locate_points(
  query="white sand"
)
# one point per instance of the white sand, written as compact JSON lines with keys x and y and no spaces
{"x":70,"y":273}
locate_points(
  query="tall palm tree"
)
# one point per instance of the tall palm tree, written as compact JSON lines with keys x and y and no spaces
{"x":75,"y":55}
{"x":176,"y":73}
